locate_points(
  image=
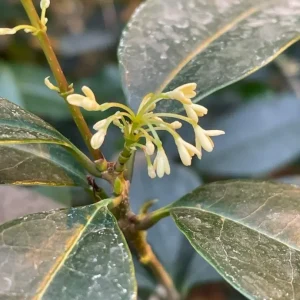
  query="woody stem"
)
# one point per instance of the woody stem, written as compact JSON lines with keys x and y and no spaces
{"x":59,"y":75}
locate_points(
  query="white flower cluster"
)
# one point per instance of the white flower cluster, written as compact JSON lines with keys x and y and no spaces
{"x":146,"y":123}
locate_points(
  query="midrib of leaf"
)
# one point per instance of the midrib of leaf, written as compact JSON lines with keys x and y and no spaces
{"x":214,"y":37}
{"x":61,"y":260}
{"x":47,"y":131}
{"x":226,"y":218}
{"x":33,"y":141}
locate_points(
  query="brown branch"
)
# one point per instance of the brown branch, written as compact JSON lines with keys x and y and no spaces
{"x":59,"y":75}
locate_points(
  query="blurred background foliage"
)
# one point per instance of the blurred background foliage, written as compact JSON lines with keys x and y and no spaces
{"x":260,"y":115}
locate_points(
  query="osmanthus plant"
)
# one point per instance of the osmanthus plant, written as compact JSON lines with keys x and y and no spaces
{"x":172,"y":54}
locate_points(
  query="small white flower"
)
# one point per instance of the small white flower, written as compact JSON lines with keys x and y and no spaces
{"x":202,"y":138}
{"x":149,"y":147}
{"x":176,"y":125}
{"x":192,"y":150}
{"x":183,"y":153}
{"x":151,"y":171}
{"x":190,"y":112}
{"x":88,"y":102}
{"x":98,"y":138}
{"x":183,"y":93}
{"x":50,"y":85}
{"x":4,"y":31}
{"x":45,"y":4}
{"x":150,"y":167}
{"x":186,"y":151}
{"x":158,"y":119}
{"x":188,"y":89}
{"x":214,"y":132}
{"x":199,"y":109}
{"x":99,"y":125}
{"x":161,"y":163}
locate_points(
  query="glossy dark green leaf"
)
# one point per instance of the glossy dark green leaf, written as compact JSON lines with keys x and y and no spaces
{"x":249,"y":231}
{"x":79,"y":253}
{"x":213,"y":43}
{"x":33,"y":152}
{"x":18,"y":126}
{"x":39,"y":164}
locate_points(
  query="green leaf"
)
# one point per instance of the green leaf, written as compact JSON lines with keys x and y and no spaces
{"x":249,"y":231}
{"x":213,"y":43}
{"x":40,"y":164}
{"x":31,"y":151}
{"x":20,"y":126}
{"x":77,"y":253}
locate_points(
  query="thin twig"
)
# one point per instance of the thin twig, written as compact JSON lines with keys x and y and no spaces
{"x":59,"y":75}
{"x":149,"y":259}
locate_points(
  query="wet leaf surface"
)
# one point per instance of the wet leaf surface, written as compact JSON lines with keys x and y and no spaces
{"x":39,"y":164}
{"x":18,"y":125}
{"x":249,"y":231}
{"x":79,"y":253}
{"x":213,"y":43}
{"x":31,"y":151}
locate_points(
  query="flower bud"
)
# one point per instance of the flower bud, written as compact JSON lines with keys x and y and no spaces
{"x":44,"y":4}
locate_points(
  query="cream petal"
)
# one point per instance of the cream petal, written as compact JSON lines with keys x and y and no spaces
{"x":100,"y":124}
{"x":151,"y":172}
{"x":90,"y":105}
{"x":199,"y":109}
{"x":161,"y":163}
{"x":178,"y":95}
{"x":89,"y":93}
{"x":211,"y":141}
{"x":191,"y":113}
{"x":214,"y":132}
{"x":75,"y":99}
{"x":149,"y":147}
{"x":98,"y":139}
{"x":167,"y":165}
{"x":160,"y":169}
{"x":183,"y":153}
{"x":192,"y":149}
{"x":44,"y":4}
{"x":188,"y":89}
{"x":176,"y":125}
{"x":203,"y":139}
{"x":50,"y":85}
